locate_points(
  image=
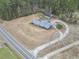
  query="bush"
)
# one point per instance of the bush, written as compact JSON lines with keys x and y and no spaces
{"x":59,"y":26}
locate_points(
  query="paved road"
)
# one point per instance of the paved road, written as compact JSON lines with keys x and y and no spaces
{"x":14,"y":44}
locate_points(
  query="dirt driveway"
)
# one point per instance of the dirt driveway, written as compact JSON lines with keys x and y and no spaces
{"x":29,"y":35}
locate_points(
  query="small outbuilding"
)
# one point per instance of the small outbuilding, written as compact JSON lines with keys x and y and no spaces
{"x":42,"y":23}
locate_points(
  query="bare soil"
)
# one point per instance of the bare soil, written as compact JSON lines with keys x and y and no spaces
{"x":32,"y":36}
{"x":72,"y":53}
{"x":28,"y":34}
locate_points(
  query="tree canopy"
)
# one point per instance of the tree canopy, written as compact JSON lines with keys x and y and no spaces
{"x":10,"y":9}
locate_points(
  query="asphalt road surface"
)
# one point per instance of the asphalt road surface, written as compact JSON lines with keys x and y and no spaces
{"x":9,"y":39}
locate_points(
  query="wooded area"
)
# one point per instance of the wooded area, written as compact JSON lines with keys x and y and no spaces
{"x":10,"y":9}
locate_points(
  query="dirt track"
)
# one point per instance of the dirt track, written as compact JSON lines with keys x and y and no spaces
{"x":72,"y":53}
{"x":32,"y":36}
{"x":29,"y":35}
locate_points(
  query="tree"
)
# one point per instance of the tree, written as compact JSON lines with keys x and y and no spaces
{"x":16,"y":8}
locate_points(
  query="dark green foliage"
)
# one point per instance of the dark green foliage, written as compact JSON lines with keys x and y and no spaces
{"x":59,"y":26}
{"x":16,"y":8}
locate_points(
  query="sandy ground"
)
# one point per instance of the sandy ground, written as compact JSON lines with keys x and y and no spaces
{"x":1,"y":40}
{"x":32,"y":36}
{"x":57,"y":46}
{"x":29,"y":35}
{"x":1,"y":43}
{"x":72,"y":53}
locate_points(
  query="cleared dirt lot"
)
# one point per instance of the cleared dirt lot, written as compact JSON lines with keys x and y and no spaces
{"x":26,"y":33}
{"x":32,"y":36}
{"x":57,"y":46}
{"x":72,"y":53}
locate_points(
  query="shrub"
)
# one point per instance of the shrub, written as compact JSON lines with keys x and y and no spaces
{"x":59,"y":26}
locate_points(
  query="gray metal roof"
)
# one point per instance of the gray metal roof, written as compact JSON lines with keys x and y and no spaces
{"x":42,"y":23}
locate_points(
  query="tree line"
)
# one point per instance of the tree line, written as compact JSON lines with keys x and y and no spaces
{"x":17,"y":8}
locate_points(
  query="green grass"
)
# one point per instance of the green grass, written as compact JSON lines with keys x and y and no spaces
{"x":2,"y":2}
{"x":5,"y":53}
{"x":59,"y":26}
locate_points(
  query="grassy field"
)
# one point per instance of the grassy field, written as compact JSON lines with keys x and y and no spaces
{"x":5,"y":53}
{"x":3,"y":1}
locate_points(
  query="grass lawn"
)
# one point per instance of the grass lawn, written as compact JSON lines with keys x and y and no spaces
{"x":5,"y":53}
{"x":2,"y":2}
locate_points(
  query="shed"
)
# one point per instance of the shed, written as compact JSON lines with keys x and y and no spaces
{"x":42,"y":23}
